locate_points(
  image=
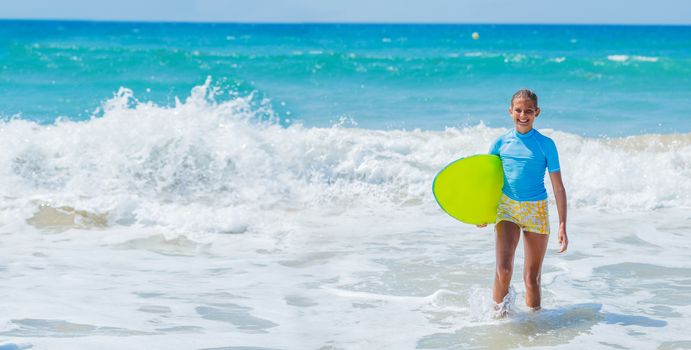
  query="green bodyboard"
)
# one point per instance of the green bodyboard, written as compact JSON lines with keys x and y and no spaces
{"x":469,"y":189}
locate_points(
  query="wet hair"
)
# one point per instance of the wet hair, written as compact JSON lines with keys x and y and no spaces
{"x":524,"y":94}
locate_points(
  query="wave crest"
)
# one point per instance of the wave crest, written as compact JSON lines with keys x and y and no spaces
{"x":143,"y":163}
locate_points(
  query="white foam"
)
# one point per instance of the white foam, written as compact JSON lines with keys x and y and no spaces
{"x":618,"y":58}
{"x":342,"y":280}
{"x":645,"y":58}
{"x":211,"y":166}
{"x":625,"y":58}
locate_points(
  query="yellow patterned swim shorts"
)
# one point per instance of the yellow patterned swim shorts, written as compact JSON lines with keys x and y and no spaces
{"x":531,"y":216}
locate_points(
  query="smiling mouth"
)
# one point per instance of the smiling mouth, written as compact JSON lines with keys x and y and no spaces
{"x":523,"y":121}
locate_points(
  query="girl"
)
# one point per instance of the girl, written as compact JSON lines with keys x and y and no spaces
{"x":525,"y":154}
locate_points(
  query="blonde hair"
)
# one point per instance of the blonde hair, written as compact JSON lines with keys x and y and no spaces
{"x":524,"y":94}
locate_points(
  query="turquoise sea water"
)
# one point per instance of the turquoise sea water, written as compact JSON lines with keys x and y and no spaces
{"x":592,"y":80}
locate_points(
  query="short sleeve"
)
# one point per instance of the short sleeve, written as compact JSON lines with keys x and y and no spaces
{"x":552,"y":156}
{"x":494,"y":149}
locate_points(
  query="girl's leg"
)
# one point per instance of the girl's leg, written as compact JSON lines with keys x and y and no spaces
{"x":507,"y":238}
{"x":535,"y":246}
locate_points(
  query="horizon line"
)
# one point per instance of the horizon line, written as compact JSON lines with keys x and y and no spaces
{"x":153,"y":21}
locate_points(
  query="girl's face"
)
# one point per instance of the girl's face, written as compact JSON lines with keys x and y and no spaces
{"x":523,"y":112}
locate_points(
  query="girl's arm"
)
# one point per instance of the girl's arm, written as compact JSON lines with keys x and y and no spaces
{"x":560,"y":197}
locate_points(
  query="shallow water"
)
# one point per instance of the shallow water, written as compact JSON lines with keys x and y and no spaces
{"x":345,"y":281}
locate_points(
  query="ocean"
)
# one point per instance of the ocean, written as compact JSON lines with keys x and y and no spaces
{"x":268,"y":186}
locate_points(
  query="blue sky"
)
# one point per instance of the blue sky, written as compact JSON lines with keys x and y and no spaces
{"x":380,"y":11}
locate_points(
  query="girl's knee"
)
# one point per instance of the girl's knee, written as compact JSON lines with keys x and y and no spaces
{"x":504,"y":272}
{"x":532,"y":281}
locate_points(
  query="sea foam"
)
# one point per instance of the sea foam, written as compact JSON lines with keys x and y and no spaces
{"x":149,"y":164}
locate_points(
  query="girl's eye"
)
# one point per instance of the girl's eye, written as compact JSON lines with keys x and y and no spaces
{"x":527,"y":111}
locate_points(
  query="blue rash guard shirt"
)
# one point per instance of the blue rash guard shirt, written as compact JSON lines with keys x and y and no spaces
{"x":524,"y":158}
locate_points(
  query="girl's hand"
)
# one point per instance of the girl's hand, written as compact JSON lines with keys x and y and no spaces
{"x":563,"y":239}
